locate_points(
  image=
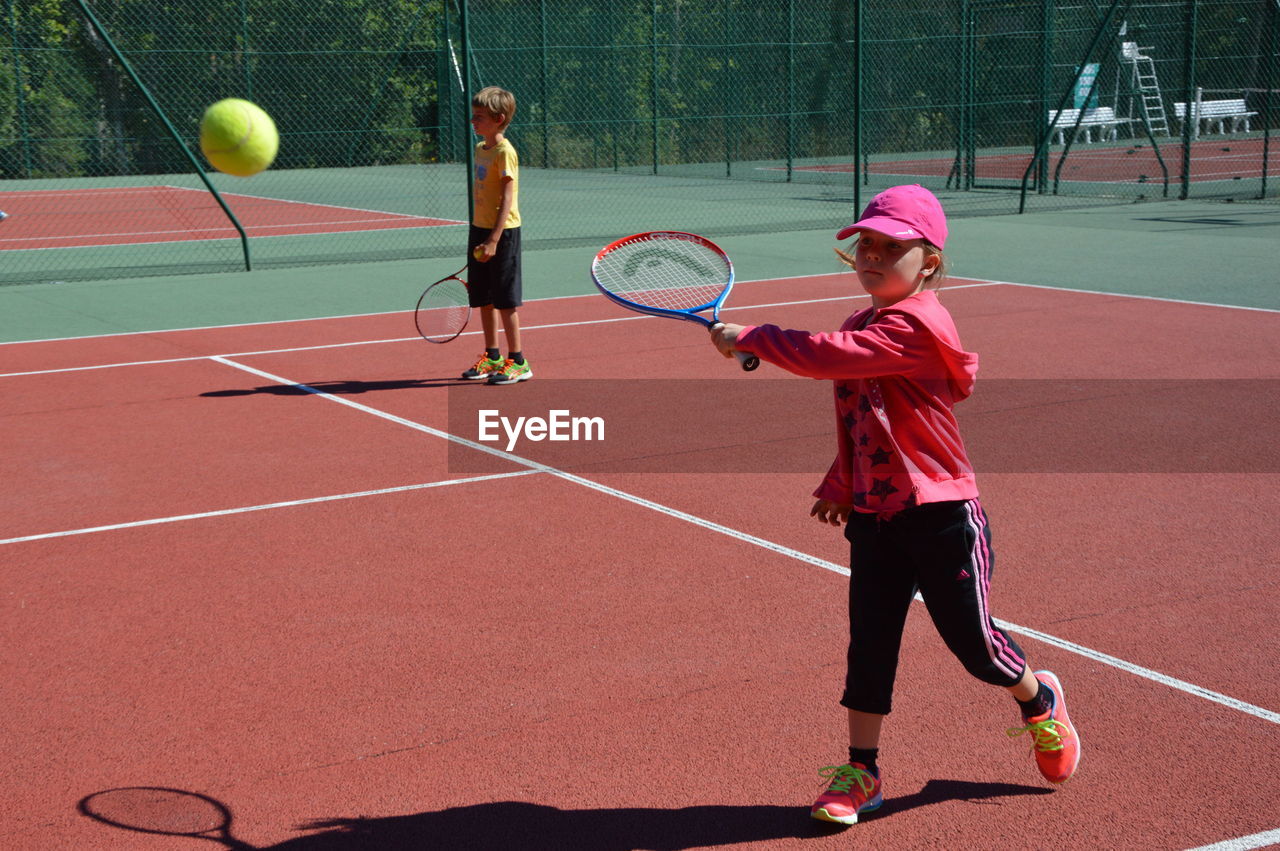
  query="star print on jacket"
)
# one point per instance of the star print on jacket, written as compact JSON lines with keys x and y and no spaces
{"x":864,"y":404}
{"x":880,"y":456}
{"x":881,"y":488}
{"x":843,"y":392}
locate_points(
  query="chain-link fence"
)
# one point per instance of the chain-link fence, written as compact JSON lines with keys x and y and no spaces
{"x":717,"y":116}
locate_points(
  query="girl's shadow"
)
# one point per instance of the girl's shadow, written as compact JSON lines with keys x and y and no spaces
{"x":506,"y":825}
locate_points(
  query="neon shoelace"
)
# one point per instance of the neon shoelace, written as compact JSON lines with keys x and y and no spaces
{"x":844,"y":776}
{"x":1045,"y":734}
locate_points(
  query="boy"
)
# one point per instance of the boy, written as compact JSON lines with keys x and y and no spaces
{"x":493,"y":262}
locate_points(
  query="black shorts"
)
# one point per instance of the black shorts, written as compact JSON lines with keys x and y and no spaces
{"x":495,"y":282}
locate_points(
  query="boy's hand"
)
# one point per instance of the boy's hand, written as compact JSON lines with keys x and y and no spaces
{"x":484,"y":251}
{"x":724,"y":336}
{"x":827,"y":511}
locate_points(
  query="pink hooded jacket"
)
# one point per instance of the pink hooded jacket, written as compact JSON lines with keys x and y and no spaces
{"x":898,"y":372}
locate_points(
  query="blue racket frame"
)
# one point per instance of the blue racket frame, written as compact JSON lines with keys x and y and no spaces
{"x":688,"y":314}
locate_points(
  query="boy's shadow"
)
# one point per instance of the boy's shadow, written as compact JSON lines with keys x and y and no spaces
{"x":342,"y":388}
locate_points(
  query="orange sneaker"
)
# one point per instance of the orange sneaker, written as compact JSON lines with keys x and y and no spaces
{"x":1055,"y":742}
{"x":853,"y":790}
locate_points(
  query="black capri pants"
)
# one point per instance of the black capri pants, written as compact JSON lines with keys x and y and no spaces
{"x":942,"y":549}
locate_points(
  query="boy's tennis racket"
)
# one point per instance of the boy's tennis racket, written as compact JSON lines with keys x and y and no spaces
{"x":443,"y":309}
{"x":668,"y":273}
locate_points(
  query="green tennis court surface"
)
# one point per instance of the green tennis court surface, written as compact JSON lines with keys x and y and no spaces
{"x":1218,"y":253}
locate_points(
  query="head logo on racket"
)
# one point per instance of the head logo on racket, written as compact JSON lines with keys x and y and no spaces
{"x":672,"y":274}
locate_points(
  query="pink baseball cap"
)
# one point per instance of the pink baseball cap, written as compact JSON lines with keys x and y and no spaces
{"x":908,"y":211}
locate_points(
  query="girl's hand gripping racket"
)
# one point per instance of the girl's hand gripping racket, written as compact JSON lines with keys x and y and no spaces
{"x":443,"y":309}
{"x":668,"y":273}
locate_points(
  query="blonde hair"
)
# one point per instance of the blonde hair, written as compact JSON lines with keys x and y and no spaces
{"x":935,"y":279}
{"x":499,"y":102}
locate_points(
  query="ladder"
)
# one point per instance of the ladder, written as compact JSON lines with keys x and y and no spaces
{"x":1146,"y":86}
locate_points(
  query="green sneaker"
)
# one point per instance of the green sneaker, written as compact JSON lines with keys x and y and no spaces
{"x":483,"y":368}
{"x":511,"y":372}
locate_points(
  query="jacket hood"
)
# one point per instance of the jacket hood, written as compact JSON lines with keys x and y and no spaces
{"x":961,"y":366}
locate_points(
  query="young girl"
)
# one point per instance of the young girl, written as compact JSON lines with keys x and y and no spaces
{"x":903,"y":486}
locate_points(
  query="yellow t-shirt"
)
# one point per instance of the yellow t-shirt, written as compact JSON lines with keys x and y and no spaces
{"x":492,"y":166}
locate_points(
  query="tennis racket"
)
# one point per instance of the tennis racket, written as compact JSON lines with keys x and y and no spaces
{"x":443,"y":309}
{"x":668,"y":273}
{"x":167,"y":812}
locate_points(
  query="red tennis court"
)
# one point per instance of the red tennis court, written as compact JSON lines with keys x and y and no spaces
{"x":247,"y":564}
{"x":134,"y":215}
{"x":1224,"y":158}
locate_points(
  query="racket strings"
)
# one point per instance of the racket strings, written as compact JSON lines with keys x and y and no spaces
{"x":673,"y":274}
{"x":443,"y":310}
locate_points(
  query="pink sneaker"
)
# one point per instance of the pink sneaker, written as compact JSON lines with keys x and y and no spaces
{"x":1055,"y":742}
{"x":853,"y":790}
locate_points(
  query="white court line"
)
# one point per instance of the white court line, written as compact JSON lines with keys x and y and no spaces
{"x":628,"y":318}
{"x":1244,"y":843}
{"x":1128,"y":667}
{"x":1140,"y":297}
{"x":265,"y":507}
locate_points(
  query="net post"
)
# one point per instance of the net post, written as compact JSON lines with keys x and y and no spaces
{"x":727,"y":77}
{"x":857,"y":106}
{"x":1046,"y":72}
{"x":1268,"y":81}
{"x":244,"y":38}
{"x":653,"y":87}
{"x":1191,"y":126}
{"x":969,"y":97}
{"x":791,"y":86}
{"x":168,"y":125}
{"x":546,"y":147}
{"x":464,"y":36}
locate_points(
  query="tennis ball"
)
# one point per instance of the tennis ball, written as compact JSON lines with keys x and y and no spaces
{"x":238,"y":138}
